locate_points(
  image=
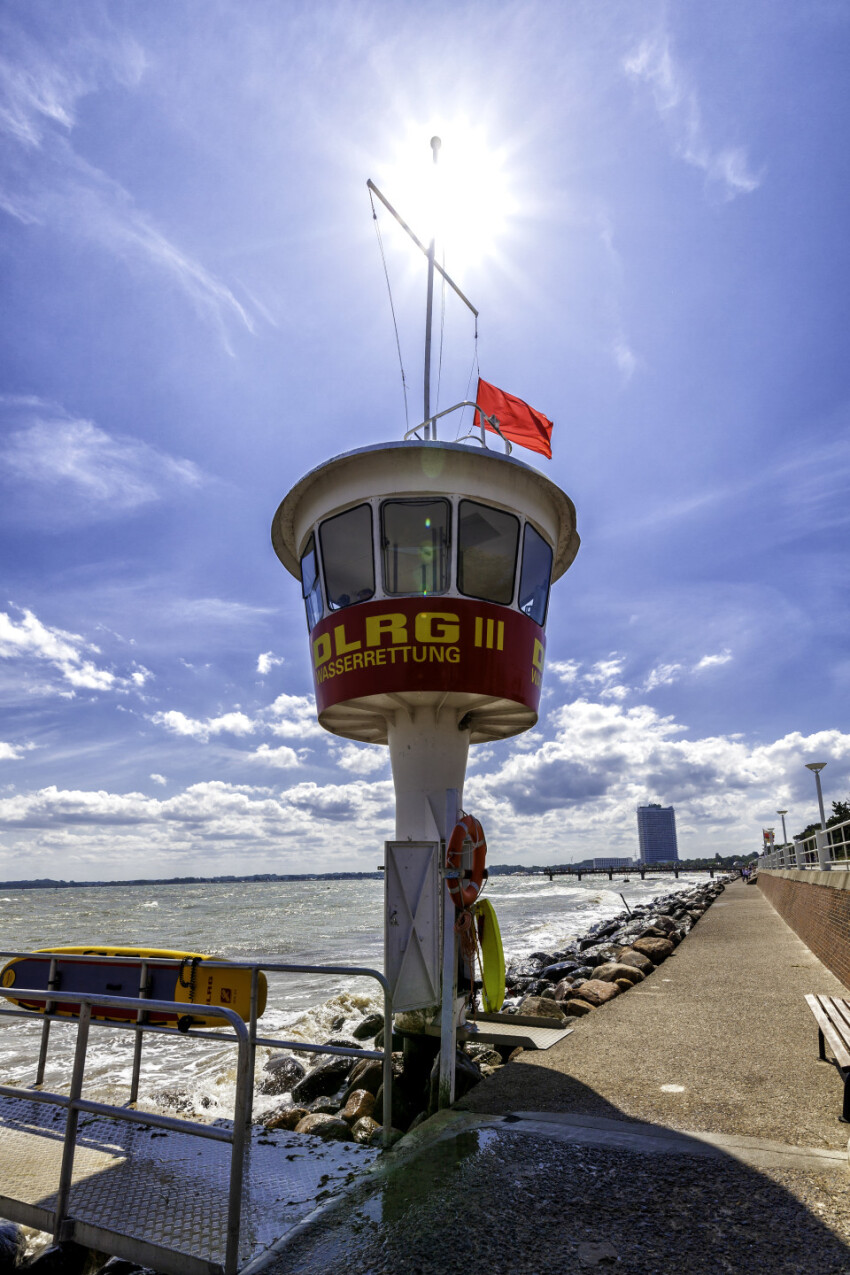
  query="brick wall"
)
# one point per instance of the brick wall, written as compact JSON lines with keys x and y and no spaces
{"x":816,"y":905}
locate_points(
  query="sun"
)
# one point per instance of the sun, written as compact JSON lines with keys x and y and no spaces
{"x":464,"y":201}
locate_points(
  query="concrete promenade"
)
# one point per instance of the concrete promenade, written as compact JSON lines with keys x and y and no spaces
{"x":686,"y":1126}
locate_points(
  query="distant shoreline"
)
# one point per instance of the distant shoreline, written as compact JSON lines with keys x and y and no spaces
{"x":265,"y":878}
{"x":258,"y":878}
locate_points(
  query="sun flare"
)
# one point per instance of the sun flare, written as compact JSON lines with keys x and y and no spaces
{"x":464,"y":200}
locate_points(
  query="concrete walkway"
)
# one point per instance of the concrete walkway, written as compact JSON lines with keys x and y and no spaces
{"x":723,"y":1021}
{"x":687,"y":1126}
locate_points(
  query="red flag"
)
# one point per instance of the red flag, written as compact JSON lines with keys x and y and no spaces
{"x":517,"y":421}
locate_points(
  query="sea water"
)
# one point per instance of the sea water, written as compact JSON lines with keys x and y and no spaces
{"x":294,"y":922}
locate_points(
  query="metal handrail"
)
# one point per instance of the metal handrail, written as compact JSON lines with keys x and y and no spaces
{"x":74,"y":1103}
{"x":824,"y":849}
{"x":256,"y":967}
{"x":492,"y":421}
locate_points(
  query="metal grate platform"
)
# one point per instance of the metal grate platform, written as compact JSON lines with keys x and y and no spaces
{"x":161,"y":1198}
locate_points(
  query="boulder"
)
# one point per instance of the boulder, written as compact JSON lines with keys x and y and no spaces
{"x":325,"y":1077}
{"x":547,"y":993}
{"x":599,"y":953}
{"x":538,"y":1007}
{"x":484,"y":1055}
{"x":665,"y":923}
{"x":328,"y":1128}
{"x":404,"y":1106}
{"x":563,"y":989}
{"x":363,"y":1129}
{"x":360,"y":1103}
{"x":655,"y":948}
{"x":12,"y":1245}
{"x":282,"y":1071}
{"x":324,"y":1105}
{"x":636,"y":959}
{"x":615,"y":970}
{"x":558,"y":971}
{"x":286,"y":1118}
{"x":624,"y":984}
{"x":368,"y":1027}
{"x":597,"y":992}
{"x":577,"y":1007}
{"x":66,"y":1258}
{"x":654,"y":932}
{"x":367,"y":1073}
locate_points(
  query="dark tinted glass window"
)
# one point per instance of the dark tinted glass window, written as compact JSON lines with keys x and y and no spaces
{"x":311,"y":590}
{"x":415,"y":546}
{"x":487,"y":541}
{"x":535,"y":576}
{"x":347,"y":557}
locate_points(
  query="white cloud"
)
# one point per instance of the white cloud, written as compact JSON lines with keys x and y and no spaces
{"x":361,"y":759}
{"x":284,"y":758}
{"x":294,"y":716}
{"x":74,"y":832}
{"x":193,"y":728}
{"x":565,"y":670}
{"x":267,"y":661}
{"x":677,"y":104}
{"x":99,"y":475}
{"x":625,"y":358}
{"x":662,"y":675}
{"x":158,"y":779}
{"x":712,"y":661}
{"x":603,"y":671}
{"x":10,"y":752}
{"x":580,"y":789}
{"x":28,"y":641}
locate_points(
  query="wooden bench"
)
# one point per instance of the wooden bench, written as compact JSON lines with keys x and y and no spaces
{"x":832,"y":1015}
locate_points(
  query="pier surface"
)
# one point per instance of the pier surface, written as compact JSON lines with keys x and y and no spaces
{"x":686,"y":1126}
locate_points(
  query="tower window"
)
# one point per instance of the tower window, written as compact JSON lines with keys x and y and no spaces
{"x":415,"y":546}
{"x":347,"y":557}
{"x":311,"y":590}
{"x":488,"y":540}
{"x":535,"y":575}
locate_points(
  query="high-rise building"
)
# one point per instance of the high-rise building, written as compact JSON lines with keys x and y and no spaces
{"x":657,"y":834}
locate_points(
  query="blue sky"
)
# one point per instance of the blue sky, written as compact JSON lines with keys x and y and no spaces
{"x":194,"y":314}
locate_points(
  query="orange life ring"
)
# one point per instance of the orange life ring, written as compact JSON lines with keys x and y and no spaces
{"x":463,"y":893}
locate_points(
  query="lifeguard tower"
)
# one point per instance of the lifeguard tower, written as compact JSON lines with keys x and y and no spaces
{"x":425,"y":568}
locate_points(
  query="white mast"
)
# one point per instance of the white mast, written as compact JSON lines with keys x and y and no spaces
{"x":430,"y":426}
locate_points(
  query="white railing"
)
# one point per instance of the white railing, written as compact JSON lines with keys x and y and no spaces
{"x":824,"y":850}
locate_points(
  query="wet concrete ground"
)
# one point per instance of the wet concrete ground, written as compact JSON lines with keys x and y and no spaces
{"x":498,"y":1187}
{"x":504,"y":1201}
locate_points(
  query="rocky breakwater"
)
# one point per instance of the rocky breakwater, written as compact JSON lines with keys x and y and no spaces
{"x":608,"y":960}
{"x":339,"y":1098}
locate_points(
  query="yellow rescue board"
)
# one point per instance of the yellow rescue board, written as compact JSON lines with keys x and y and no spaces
{"x":492,"y":957}
{"x":184,"y":980}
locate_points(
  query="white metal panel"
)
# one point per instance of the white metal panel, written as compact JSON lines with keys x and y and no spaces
{"x":412,"y":923}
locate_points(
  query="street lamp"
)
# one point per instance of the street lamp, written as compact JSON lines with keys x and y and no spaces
{"x":816,"y":767}
{"x":783,"y":813}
